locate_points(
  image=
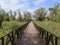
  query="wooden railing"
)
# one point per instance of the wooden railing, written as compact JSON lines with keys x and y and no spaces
{"x":50,"y":39}
{"x":11,"y":36}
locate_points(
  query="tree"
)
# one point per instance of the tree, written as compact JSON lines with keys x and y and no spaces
{"x":14,"y":16}
{"x":27,"y":16}
{"x":40,"y":14}
{"x":55,"y":13}
{"x":57,"y":17}
{"x":1,"y":17}
{"x":6,"y":17}
{"x":19,"y":16}
{"x":11,"y":14}
{"x":0,"y":20}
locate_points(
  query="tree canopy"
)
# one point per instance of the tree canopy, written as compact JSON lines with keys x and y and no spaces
{"x":40,"y":13}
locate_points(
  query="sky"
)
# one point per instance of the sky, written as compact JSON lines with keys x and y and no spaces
{"x":27,"y":5}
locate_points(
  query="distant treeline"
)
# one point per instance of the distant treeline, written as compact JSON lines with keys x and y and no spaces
{"x":52,"y":14}
{"x":41,"y":14}
{"x":16,"y":15}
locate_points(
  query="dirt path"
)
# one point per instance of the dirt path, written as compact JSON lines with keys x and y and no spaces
{"x":31,"y":36}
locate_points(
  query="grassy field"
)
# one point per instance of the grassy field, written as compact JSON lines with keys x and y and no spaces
{"x":9,"y":26}
{"x":53,"y":27}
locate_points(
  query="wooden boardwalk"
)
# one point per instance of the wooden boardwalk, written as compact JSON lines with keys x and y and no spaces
{"x":31,"y":36}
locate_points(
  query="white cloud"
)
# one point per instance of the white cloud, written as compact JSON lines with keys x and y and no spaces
{"x":22,"y":4}
{"x":38,"y":2}
{"x":9,"y":4}
{"x":14,"y":1}
{"x":13,"y":4}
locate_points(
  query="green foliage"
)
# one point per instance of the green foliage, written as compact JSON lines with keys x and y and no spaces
{"x":14,"y":16}
{"x":0,"y":20}
{"x":55,"y":13}
{"x":6,"y":17}
{"x":14,"y":25}
{"x":47,"y":19}
{"x":57,"y":18}
{"x":8,"y":26}
{"x":40,"y":14}
{"x":27,"y":16}
{"x":19,"y":16}
{"x":53,"y":27}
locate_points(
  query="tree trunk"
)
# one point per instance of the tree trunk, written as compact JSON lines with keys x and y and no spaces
{"x":0,"y":22}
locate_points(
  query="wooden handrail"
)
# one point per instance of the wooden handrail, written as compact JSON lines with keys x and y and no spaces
{"x":10,"y":37}
{"x":47,"y":36}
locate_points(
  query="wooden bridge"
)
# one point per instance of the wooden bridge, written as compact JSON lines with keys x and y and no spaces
{"x":29,"y":34}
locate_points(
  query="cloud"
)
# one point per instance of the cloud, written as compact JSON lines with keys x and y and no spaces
{"x":14,"y":1}
{"x":24,"y":5}
{"x":14,"y":4}
{"x":9,"y":4}
{"x":38,"y":2}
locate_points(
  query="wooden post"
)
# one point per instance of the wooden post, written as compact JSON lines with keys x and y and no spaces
{"x":42,"y":33}
{"x":46,"y":38}
{"x":2,"y":40}
{"x":17,"y":33}
{"x":13,"y":38}
{"x":56,"y":41}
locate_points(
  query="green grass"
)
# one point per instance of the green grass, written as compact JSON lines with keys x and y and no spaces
{"x":53,"y":27}
{"x":9,"y":26}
